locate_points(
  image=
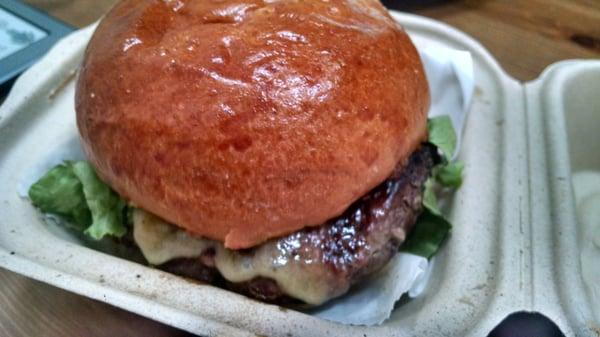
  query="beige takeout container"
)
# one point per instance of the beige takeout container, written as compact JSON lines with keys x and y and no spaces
{"x":515,"y":245}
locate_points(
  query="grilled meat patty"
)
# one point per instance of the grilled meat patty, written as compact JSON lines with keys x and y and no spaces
{"x":339,"y":253}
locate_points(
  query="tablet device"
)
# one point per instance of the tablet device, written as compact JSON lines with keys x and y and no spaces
{"x":25,"y":35}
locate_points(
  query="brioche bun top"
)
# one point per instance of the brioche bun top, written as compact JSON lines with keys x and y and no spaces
{"x":241,"y":120}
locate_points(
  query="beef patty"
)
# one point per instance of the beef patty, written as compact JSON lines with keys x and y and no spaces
{"x":342,"y":251}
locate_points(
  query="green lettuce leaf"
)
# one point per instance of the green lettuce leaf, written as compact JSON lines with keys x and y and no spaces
{"x":74,"y":191}
{"x":425,"y":239}
{"x":429,"y":198}
{"x":106,"y":206}
{"x":441,"y":134}
{"x":60,"y":192}
{"x":450,"y":175}
{"x":432,"y":227}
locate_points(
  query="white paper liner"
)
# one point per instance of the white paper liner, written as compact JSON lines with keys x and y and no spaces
{"x":450,"y":76}
{"x":373,"y":302}
{"x":451,"y":81}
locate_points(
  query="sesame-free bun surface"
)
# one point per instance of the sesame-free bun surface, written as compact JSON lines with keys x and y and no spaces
{"x":246,"y":120}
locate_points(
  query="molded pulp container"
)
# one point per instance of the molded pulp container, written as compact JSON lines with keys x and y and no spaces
{"x":515,"y":244}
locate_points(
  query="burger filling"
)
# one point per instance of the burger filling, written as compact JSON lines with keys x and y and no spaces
{"x":312,"y":265}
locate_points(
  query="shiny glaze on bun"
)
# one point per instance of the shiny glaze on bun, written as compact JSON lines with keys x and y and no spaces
{"x":242,"y":121}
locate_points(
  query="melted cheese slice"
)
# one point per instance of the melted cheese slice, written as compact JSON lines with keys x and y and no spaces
{"x":160,"y":242}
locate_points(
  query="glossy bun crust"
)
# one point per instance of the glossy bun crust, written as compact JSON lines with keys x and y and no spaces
{"x":246,"y":120}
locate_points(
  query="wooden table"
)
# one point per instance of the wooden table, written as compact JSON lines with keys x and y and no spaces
{"x":524,"y":35}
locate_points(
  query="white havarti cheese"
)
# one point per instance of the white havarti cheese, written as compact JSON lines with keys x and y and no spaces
{"x":160,"y":242}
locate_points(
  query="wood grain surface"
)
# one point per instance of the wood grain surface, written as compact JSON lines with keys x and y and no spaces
{"x":524,"y":35}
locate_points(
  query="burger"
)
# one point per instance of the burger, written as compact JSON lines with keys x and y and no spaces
{"x":276,"y":148}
